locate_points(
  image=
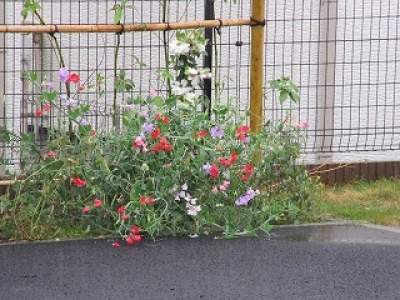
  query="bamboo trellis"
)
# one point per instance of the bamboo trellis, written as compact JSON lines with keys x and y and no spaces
{"x":256,"y":21}
{"x":101,"y":28}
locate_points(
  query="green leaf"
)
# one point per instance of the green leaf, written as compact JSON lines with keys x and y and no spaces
{"x":118,"y":16}
{"x":294,"y":96}
{"x":283,"y":96}
{"x":159,"y":101}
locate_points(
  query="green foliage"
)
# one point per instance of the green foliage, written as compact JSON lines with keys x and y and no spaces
{"x":30,"y":7}
{"x":287,"y":89}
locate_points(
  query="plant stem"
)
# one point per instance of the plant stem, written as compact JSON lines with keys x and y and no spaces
{"x":165,"y":42}
{"x":114,"y":116}
{"x":57,"y":48}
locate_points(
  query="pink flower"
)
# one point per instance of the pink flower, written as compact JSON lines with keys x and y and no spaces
{"x":97,"y":203}
{"x":51,"y":154}
{"x":222,"y":188}
{"x":152,"y":92}
{"x":86,"y":209}
{"x":124,"y":217}
{"x":306,"y":125}
{"x":214,"y":190}
{"x":116,"y":245}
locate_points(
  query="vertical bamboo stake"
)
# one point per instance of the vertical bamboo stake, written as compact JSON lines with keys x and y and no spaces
{"x":257,"y":65}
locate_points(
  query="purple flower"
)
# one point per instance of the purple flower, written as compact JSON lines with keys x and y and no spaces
{"x":84,"y":122}
{"x":148,"y":127}
{"x":70,"y":102}
{"x":206,"y":168}
{"x":64,"y":74}
{"x":217,"y":132}
{"x":246,"y":140}
{"x":244,"y":200}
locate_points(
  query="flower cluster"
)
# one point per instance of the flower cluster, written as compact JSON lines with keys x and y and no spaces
{"x":191,"y":202}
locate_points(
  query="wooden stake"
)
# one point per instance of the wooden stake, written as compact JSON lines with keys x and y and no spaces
{"x":257,"y":65}
{"x":123,"y":28}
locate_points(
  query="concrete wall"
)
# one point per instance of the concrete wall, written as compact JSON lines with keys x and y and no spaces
{"x":363,"y":77}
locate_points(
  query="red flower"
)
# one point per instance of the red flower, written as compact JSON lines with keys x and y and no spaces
{"x":214,"y":171}
{"x":156,"y":133}
{"x":78,"y":182}
{"x":116,"y":245}
{"x":167,"y":148}
{"x":137,"y":144}
{"x":51,"y":154}
{"x":245,"y":178}
{"x":81,"y":87}
{"x":38,"y":113}
{"x":129,"y":240}
{"x":225,"y":162}
{"x":132,"y":238}
{"x":163,"y":119}
{"x":248,"y":169}
{"x":146,"y":200}
{"x":233,"y":157}
{"x":92,"y":132}
{"x":137,"y":238}
{"x":97,"y":203}
{"x":135,"y":229}
{"x":73,"y":78}
{"x":242,"y":131}
{"x":121,"y":209}
{"x":47,"y":107}
{"x":201,"y":134}
{"x":86,"y":209}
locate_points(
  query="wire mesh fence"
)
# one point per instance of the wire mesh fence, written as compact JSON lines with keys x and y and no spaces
{"x":343,"y":55}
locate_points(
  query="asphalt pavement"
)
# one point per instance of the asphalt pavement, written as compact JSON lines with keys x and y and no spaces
{"x":324,"y":262}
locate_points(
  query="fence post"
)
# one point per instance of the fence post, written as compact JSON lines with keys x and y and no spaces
{"x":208,"y":34}
{"x":2,"y":79}
{"x":257,"y":65}
{"x":326,"y":100}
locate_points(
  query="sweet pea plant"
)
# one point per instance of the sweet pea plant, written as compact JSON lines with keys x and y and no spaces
{"x":172,"y":170}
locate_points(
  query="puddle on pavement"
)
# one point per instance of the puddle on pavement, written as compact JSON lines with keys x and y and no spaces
{"x":357,"y":234}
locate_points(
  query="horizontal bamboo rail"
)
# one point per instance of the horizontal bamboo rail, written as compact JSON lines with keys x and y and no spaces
{"x":123,"y":28}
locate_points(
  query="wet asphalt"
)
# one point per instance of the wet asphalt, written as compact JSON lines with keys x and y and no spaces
{"x":307,"y":262}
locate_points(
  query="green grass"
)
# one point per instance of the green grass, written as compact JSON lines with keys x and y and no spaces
{"x":374,"y":202}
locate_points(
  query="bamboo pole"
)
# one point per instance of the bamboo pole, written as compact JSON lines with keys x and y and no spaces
{"x":123,"y":28}
{"x":257,"y":65}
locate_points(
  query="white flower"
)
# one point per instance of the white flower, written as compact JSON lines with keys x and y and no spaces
{"x":177,"y":48}
{"x":190,"y":96}
{"x":180,"y":88}
{"x":192,"y":210}
{"x":184,"y":187}
{"x":201,"y":48}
